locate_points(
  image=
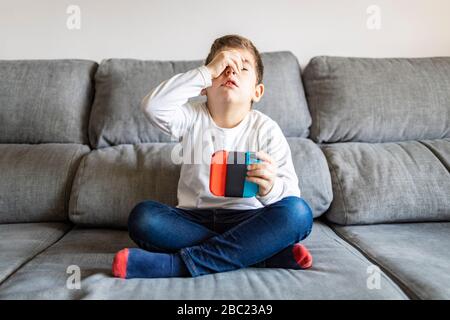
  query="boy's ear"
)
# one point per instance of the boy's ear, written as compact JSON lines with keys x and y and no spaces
{"x":203,"y":92}
{"x":259,"y":92}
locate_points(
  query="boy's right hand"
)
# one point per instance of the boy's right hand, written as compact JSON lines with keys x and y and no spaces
{"x":222,"y":60}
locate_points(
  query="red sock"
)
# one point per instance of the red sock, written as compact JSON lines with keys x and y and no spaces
{"x":138,"y":263}
{"x":119,"y":267}
{"x":302,"y":256}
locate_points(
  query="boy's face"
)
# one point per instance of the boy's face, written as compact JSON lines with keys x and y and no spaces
{"x":243,"y":91}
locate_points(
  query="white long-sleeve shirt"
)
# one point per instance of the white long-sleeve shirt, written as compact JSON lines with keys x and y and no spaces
{"x":170,"y":108}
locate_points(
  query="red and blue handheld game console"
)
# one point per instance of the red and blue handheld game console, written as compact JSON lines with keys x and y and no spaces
{"x":227,"y":174}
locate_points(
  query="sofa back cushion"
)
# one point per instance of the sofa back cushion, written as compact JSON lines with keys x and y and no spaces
{"x":36,"y":180}
{"x":384,"y":126}
{"x":378,"y":99}
{"x":111,"y":181}
{"x":121,"y":84}
{"x":43,"y":101}
{"x":389,"y":182}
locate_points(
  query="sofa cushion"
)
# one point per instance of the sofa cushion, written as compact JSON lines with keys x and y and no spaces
{"x":313,"y":174}
{"x":441,"y":149}
{"x":111,"y":181}
{"x":388,"y":182}
{"x":338,"y":272}
{"x":416,"y":255}
{"x":20,"y":242}
{"x":45,"y":100}
{"x":378,"y":99}
{"x":121,"y":84}
{"x":36,"y":180}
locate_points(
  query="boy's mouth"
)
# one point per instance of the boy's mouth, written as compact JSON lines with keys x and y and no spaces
{"x":230,"y":83}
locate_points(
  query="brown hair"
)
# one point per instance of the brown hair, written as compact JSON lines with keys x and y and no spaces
{"x":237,"y":41}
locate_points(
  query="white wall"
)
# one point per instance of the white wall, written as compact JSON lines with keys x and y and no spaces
{"x":171,"y":29}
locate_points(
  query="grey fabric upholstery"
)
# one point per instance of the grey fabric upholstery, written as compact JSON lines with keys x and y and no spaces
{"x":121,"y":84}
{"x":20,"y":242}
{"x":313,"y":174}
{"x":441,"y":149}
{"x":366,"y":169}
{"x":339,"y":272}
{"x":111,"y":181}
{"x":388,"y":182}
{"x":415,"y":255}
{"x":378,"y":99}
{"x":36,"y":181}
{"x":284,"y":97}
{"x":44,"y":101}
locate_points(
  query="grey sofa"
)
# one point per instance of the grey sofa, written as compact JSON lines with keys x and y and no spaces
{"x":370,"y":140}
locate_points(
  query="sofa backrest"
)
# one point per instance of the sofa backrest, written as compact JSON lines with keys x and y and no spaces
{"x":111,"y":181}
{"x":132,"y":163}
{"x":44,"y":114}
{"x":44,"y":101}
{"x":36,"y":180}
{"x":121,"y":84}
{"x":378,"y":100}
{"x":384,"y":126}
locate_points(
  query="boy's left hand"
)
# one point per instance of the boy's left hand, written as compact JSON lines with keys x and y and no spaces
{"x":262,"y":173}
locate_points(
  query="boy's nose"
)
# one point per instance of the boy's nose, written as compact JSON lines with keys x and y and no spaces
{"x":229,"y":70}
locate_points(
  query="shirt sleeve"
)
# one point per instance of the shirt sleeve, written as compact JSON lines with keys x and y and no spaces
{"x":274,"y":143}
{"x":167,"y":106}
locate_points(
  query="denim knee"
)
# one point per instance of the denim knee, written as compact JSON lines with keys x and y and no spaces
{"x":299,"y":215}
{"x":142,"y":221}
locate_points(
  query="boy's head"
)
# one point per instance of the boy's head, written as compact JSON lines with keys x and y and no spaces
{"x":249,"y":82}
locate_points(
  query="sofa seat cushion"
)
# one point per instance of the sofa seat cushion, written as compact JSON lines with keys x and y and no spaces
{"x":20,"y":242}
{"x":339,"y":272}
{"x":407,"y":181}
{"x":36,"y":180}
{"x":415,"y":255}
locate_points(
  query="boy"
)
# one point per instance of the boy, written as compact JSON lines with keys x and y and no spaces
{"x":205,"y":233}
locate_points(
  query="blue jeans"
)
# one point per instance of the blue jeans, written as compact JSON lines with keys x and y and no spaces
{"x":217,"y":240}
